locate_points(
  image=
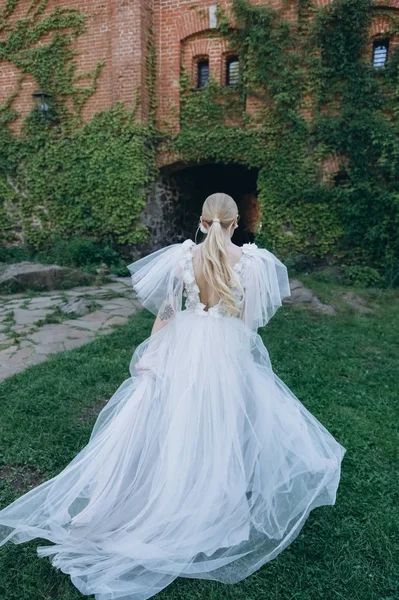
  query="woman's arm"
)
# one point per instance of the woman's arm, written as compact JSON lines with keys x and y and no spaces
{"x":165,"y":314}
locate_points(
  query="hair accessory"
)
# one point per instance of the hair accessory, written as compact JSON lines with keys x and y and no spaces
{"x":215,"y":219}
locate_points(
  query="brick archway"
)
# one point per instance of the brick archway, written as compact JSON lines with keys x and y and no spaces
{"x":196,"y":182}
{"x":191,"y":22}
{"x":174,"y":206}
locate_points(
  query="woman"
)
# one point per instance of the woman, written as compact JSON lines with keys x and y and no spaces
{"x":203,"y":464}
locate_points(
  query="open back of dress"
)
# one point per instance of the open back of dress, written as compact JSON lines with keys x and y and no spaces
{"x":207,"y":295}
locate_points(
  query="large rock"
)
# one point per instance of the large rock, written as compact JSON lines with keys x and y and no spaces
{"x":79,"y":306}
{"x":356,"y":302}
{"x":301,"y":294}
{"x":28,"y":275}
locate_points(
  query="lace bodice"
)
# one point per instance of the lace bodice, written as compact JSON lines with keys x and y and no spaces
{"x":192,"y":292}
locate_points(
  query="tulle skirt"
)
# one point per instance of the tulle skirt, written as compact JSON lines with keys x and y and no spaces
{"x":203,"y":464}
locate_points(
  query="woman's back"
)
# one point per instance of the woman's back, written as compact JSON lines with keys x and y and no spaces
{"x":207,"y":293}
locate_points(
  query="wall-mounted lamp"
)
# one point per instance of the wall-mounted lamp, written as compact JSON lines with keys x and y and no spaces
{"x":44,"y":106}
{"x":42,"y":102}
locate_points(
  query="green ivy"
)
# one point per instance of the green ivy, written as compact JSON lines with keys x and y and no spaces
{"x":91,"y":182}
{"x":353,"y":115}
{"x":93,"y":178}
{"x":61,"y":175}
{"x":50,"y":63}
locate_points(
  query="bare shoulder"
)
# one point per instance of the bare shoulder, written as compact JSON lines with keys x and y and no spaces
{"x":235,"y":252}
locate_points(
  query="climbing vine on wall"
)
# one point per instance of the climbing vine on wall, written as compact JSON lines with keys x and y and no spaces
{"x":320,"y":97}
{"x":39,"y":44}
{"x":66,"y":176}
{"x":320,"y":66}
{"x":91,"y":182}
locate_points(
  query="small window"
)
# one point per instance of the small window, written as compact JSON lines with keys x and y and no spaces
{"x":341,"y":178}
{"x":202,"y":72}
{"x":232,"y":70}
{"x":380,"y":52}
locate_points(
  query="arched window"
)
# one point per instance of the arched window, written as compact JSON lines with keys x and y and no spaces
{"x":380,"y":52}
{"x":232,"y":70}
{"x":202,"y":72}
{"x":341,"y":178}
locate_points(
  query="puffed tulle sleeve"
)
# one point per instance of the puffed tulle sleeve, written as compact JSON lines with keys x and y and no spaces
{"x":265,"y":281}
{"x":157,"y":279}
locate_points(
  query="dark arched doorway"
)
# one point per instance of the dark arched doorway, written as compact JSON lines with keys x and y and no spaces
{"x":197,"y":182}
{"x":174,"y":205}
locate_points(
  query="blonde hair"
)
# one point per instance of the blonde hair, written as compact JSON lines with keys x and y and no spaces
{"x":219,"y":211}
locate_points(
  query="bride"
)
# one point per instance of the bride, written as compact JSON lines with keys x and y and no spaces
{"x":203,"y":464}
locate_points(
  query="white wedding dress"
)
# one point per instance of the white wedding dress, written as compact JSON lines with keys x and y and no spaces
{"x":203,"y":464}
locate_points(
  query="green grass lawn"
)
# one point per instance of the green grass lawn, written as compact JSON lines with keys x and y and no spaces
{"x":343,"y":368}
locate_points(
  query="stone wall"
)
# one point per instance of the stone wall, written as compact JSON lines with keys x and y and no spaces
{"x":163,"y":215}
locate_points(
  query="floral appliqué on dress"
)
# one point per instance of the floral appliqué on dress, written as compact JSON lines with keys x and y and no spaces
{"x":192,"y":292}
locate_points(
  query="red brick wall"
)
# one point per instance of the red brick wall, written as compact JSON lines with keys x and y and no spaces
{"x":118,"y":32}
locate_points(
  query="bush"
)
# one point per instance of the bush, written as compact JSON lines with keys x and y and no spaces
{"x":14,"y":254}
{"x":77,"y":252}
{"x":361,"y":275}
{"x":83,"y":253}
{"x":392,"y":276}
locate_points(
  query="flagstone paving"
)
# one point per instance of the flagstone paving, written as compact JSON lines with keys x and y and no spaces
{"x":33,"y":327}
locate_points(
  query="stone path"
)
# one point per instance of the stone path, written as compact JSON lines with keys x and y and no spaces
{"x":33,"y":327}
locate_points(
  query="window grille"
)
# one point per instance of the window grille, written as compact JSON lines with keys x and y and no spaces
{"x":380,"y":52}
{"x":202,"y":73}
{"x":232,"y":71}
